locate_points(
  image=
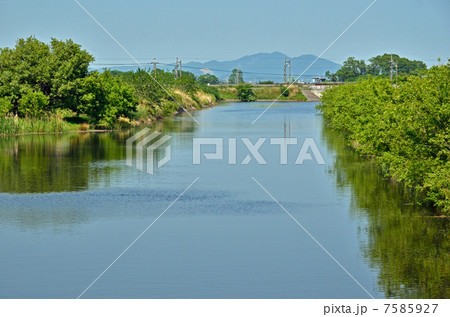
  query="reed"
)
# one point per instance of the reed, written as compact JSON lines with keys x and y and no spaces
{"x":11,"y":125}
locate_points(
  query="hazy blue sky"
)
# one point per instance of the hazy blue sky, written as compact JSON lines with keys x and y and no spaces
{"x":224,"y":30}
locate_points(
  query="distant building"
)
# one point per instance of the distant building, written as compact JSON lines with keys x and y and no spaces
{"x":318,"y":80}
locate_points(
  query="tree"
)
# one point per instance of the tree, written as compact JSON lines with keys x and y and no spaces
{"x":68,"y":62}
{"x":146,"y":87}
{"x":236,"y":73}
{"x":32,"y":103}
{"x":381,"y":65}
{"x":104,"y":98}
{"x":187,"y":82}
{"x":245,"y":92}
{"x":208,"y":79}
{"x":330,"y":76}
{"x":5,"y":106}
{"x":46,"y":68}
{"x":351,"y":69}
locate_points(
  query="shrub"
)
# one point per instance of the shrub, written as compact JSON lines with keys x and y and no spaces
{"x":405,"y":128}
{"x":284,"y":90}
{"x":32,"y":103}
{"x":245,"y":92}
{"x":5,"y":106}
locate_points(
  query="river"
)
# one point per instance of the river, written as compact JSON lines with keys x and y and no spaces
{"x":70,"y":205}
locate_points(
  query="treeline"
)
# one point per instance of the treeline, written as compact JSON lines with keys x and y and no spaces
{"x":404,"y":127}
{"x":380,"y":65}
{"x":53,"y":81}
{"x":248,"y":93}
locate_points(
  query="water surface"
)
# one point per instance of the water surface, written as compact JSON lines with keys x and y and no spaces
{"x":69,"y":205}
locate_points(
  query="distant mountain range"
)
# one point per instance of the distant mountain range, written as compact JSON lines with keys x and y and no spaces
{"x":258,"y":67}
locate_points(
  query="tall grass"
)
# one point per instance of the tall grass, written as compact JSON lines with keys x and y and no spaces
{"x":264,"y":92}
{"x":14,"y":125}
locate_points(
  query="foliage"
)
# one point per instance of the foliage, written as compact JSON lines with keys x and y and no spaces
{"x":46,"y":123}
{"x":104,"y":98}
{"x":32,"y":103}
{"x":266,"y":82}
{"x":212,"y":91}
{"x":236,"y":73}
{"x":45,"y":68}
{"x":145,"y":86}
{"x":39,"y":79}
{"x":380,"y":65}
{"x":284,"y":91}
{"x":208,"y":79}
{"x":351,"y":69}
{"x":227,"y":92}
{"x":245,"y":92}
{"x":406,"y":129}
{"x":5,"y":106}
{"x":187,"y":82}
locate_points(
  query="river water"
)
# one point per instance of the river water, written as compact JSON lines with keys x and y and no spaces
{"x":69,"y":206}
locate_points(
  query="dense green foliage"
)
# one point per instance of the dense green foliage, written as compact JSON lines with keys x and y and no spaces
{"x":405,"y":128}
{"x":38,"y":78}
{"x":261,"y":92}
{"x":160,"y":94}
{"x":238,"y":75}
{"x":208,"y":79}
{"x":284,"y":91}
{"x":380,"y":65}
{"x":245,"y":92}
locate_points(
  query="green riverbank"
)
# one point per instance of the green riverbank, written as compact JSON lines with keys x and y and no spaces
{"x":404,"y":128}
{"x":264,"y":93}
{"x":48,"y":88}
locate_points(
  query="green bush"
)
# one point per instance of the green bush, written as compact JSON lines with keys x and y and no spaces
{"x":245,"y":92}
{"x":211,"y":90}
{"x":405,"y":128}
{"x":284,"y":91}
{"x":104,"y":98}
{"x":32,"y":103}
{"x":5,"y":106}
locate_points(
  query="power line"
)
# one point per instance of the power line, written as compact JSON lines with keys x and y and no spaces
{"x":193,"y":67}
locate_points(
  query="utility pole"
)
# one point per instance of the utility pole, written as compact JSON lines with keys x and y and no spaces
{"x":180,"y":69}
{"x":237,"y":76}
{"x":154,"y":66}
{"x":289,"y":72}
{"x":396,"y":72}
{"x":392,"y":67}
{"x":175,"y":70}
{"x":286,"y":65}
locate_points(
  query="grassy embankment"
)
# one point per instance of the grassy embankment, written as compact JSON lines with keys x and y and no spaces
{"x":48,"y":87}
{"x":404,"y":128}
{"x":264,"y":93}
{"x":66,"y":120}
